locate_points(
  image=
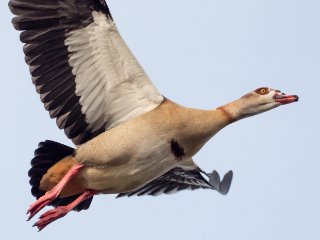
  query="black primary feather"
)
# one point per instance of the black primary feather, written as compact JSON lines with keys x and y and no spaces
{"x":179,"y":179}
{"x":45,"y":25}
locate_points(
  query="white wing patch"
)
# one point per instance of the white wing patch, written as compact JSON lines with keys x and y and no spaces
{"x":112,"y":86}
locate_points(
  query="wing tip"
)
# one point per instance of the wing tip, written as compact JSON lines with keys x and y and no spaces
{"x":226,"y":183}
{"x":222,"y":186}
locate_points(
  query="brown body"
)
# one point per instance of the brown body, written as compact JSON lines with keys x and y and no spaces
{"x":128,"y":156}
{"x":116,"y":161}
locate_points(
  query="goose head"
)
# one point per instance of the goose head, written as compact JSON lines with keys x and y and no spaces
{"x":258,"y":101}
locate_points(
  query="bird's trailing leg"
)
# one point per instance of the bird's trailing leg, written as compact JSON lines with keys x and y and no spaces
{"x":59,"y":212}
{"x":54,"y":193}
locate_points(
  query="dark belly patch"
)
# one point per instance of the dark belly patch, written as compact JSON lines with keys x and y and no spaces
{"x":177,"y":149}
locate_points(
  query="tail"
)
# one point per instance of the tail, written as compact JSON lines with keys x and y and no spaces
{"x":47,"y":155}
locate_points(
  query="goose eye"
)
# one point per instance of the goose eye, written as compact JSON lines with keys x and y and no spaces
{"x":262,"y":91}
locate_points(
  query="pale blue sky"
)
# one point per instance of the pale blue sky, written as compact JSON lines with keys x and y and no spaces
{"x":200,"y":54}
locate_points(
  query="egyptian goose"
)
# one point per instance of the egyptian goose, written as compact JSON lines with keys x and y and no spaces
{"x":129,"y":139}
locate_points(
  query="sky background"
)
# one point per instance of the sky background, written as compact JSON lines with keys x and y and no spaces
{"x":200,"y":54}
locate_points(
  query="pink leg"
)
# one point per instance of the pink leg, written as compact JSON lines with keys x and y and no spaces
{"x":54,"y":192}
{"x":59,"y":212}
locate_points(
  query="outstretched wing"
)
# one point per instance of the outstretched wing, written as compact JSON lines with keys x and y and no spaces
{"x":179,"y":179}
{"x":85,"y":74}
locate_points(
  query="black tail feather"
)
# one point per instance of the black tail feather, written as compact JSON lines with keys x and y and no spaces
{"x":46,"y":155}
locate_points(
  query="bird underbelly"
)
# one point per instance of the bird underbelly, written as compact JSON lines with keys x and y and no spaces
{"x":127,"y":177}
{"x":131,"y":155}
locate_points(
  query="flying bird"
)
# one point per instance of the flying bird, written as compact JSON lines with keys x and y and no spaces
{"x":129,"y":139}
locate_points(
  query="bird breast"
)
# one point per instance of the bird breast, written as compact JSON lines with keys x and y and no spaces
{"x":138,"y":151}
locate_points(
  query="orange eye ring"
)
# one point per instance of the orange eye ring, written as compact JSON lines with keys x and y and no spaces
{"x":262,"y":91}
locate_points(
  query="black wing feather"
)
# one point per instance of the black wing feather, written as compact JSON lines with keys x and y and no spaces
{"x":179,"y":179}
{"x":45,"y":24}
{"x":176,"y":178}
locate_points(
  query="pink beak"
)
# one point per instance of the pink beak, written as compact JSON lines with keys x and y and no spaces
{"x":284,"y":98}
